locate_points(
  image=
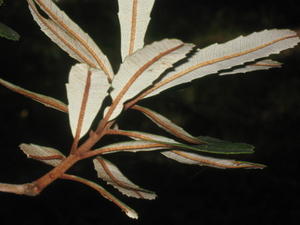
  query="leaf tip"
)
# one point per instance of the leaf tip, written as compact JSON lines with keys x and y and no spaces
{"x":24,"y":147}
{"x":248,"y":165}
{"x":132,"y":214}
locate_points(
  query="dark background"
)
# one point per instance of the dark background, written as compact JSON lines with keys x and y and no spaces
{"x":260,"y":108}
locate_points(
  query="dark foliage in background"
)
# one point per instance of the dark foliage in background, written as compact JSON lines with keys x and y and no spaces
{"x":260,"y":108}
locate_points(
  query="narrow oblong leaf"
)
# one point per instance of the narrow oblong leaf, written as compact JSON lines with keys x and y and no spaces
{"x":129,"y":211}
{"x":167,"y":125}
{"x":219,"y":57}
{"x":216,"y":146}
{"x":8,"y":33}
{"x":46,"y":155}
{"x":141,"y":69}
{"x":134,"y":17}
{"x":69,"y":36}
{"x":45,"y":100}
{"x":86,"y":91}
{"x":113,"y":176}
{"x":212,"y":145}
{"x":259,"y":65}
{"x":196,"y":159}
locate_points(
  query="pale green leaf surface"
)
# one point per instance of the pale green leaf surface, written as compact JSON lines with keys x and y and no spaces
{"x":216,"y":146}
{"x":213,"y":145}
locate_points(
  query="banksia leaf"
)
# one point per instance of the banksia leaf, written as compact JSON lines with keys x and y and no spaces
{"x":127,"y":146}
{"x":141,"y":69}
{"x":196,"y":159}
{"x":210,"y":145}
{"x":113,"y":176}
{"x":216,"y":146}
{"x":45,"y":100}
{"x":86,"y":91}
{"x":46,"y":155}
{"x":69,"y":36}
{"x":217,"y":57}
{"x":134,"y":17}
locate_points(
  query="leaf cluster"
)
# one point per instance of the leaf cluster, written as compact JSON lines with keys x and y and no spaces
{"x":145,"y":71}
